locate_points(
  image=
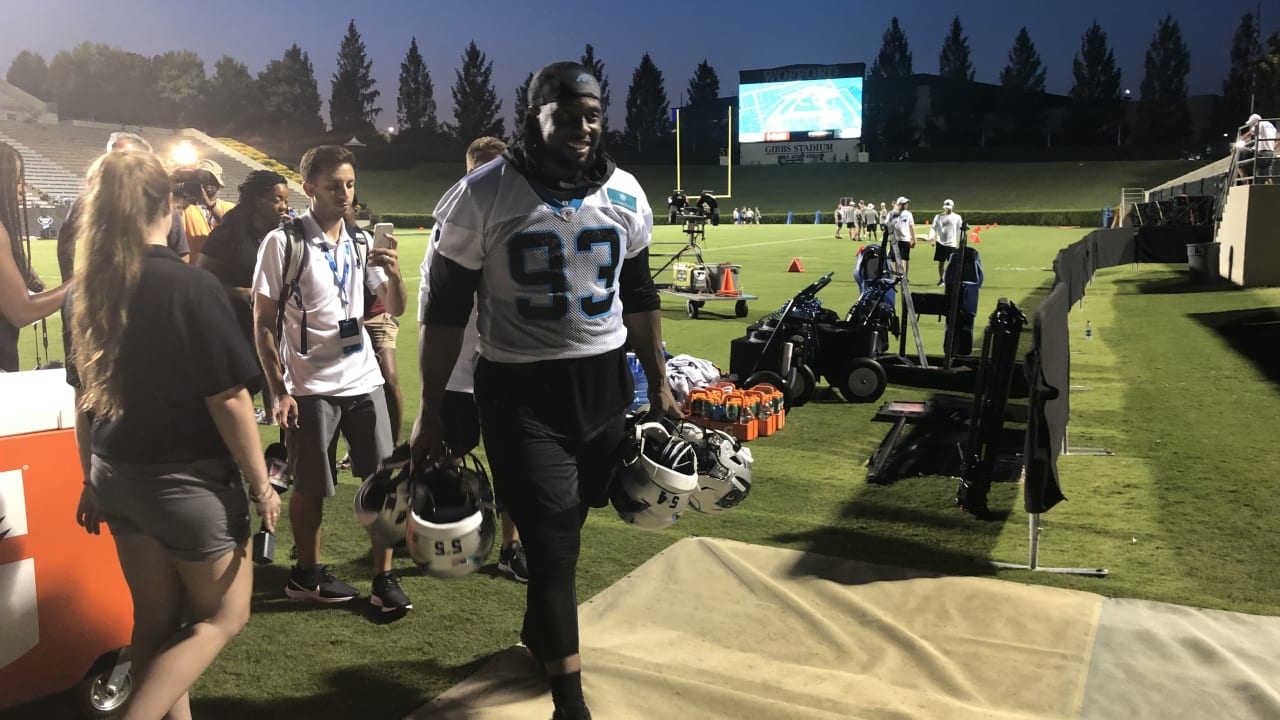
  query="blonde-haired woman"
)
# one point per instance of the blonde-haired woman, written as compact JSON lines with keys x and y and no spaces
{"x":166,"y":430}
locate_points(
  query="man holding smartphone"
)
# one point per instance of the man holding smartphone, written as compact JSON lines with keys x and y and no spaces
{"x":383,"y":329}
{"x":319,"y":362}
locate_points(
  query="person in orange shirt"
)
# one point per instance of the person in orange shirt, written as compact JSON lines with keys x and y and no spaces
{"x":204,"y":210}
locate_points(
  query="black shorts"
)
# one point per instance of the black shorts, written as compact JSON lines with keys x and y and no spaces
{"x":538,"y":470}
{"x":942,"y":252}
{"x":904,"y":249}
{"x":1263,"y":162}
{"x":461,"y":422}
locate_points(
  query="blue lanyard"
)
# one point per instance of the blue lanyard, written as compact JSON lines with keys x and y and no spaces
{"x":341,"y":282}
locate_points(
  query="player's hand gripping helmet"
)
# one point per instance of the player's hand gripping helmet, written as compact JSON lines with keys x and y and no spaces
{"x":724,"y":469}
{"x":382,"y":502}
{"x":656,"y":478}
{"x":452,"y":518}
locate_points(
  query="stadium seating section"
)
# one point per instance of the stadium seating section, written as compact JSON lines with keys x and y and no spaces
{"x":57,"y":155}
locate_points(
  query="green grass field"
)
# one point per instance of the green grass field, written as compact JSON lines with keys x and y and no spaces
{"x":802,"y":189}
{"x":1179,"y":514}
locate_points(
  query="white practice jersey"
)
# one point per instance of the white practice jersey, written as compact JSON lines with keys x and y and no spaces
{"x":549,"y":272}
{"x":946,"y":229}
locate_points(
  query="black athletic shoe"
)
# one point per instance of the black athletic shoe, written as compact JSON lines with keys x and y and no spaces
{"x":317,"y":584}
{"x":511,"y":560}
{"x":387,"y":593}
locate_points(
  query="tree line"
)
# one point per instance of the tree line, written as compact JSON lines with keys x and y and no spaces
{"x":282,"y":102}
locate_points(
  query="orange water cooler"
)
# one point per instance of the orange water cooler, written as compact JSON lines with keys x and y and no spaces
{"x":65,"y":612}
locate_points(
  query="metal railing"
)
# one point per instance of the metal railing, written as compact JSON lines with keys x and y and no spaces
{"x":1245,"y":153}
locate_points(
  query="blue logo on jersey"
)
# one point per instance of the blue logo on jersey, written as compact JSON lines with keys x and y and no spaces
{"x":617,"y":197}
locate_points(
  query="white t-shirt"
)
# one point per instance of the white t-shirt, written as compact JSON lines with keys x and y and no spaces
{"x":904,"y":225}
{"x":325,"y":369}
{"x":1266,"y":135}
{"x":839,"y":215}
{"x":946,"y":229}
{"x":549,"y":282}
{"x":463,"y":377}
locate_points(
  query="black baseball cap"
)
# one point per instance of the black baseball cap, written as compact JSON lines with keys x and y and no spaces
{"x":562,"y":81}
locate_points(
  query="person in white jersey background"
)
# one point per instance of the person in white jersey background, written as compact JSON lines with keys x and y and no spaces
{"x":944,"y":234}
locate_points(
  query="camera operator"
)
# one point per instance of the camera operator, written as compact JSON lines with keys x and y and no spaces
{"x":197,"y":189}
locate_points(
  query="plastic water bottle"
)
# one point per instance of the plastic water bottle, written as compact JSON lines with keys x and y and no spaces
{"x":640,"y":380}
{"x":1088,"y":330}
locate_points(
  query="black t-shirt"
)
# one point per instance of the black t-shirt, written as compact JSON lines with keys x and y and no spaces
{"x":235,"y":245}
{"x":180,"y":346}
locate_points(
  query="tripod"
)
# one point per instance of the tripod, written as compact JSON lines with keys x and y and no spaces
{"x":695,"y":227}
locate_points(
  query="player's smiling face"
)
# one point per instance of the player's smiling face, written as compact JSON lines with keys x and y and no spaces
{"x":571,"y":131}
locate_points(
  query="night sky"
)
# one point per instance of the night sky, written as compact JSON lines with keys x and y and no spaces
{"x":520,"y":37}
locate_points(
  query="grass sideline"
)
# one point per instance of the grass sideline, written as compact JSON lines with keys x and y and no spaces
{"x":1180,"y":514}
{"x":802,"y":189}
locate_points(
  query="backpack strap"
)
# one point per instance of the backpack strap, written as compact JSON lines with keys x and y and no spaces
{"x":295,"y":260}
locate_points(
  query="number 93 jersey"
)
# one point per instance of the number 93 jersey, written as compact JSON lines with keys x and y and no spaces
{"x":549,"y":269}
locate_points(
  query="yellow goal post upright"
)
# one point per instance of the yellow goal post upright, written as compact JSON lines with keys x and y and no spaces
{"x":728,"y":156}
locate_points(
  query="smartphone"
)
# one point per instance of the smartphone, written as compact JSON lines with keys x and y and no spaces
{"x":380,"y":233}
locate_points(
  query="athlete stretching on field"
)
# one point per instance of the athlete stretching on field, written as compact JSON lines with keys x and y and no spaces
{"x":553,"y":241}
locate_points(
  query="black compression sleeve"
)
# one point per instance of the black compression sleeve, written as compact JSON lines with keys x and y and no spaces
{"x":452,"y":290}
{"x":636,"y":285}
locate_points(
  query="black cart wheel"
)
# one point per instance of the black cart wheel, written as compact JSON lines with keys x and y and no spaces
{"x":692,"y":307}
{"x":862,"y":380}
{"x":740,"y":308}
{"x":97,"y":700}
{"x":802,"y":387}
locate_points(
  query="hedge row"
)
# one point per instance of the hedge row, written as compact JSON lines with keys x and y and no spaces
{"x":1050,"y":218}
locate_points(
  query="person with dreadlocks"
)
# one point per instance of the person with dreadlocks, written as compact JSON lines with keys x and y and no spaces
{"x":552,"y":241}
{"x":23,"y":298}
{"x":232,"y":251}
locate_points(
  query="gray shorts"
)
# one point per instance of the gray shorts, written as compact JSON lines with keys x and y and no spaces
{"x":313,"y":445}
{"x":196,"y":510}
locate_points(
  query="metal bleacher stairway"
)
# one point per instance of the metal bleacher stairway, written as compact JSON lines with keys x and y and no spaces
{"x":57,"y":155}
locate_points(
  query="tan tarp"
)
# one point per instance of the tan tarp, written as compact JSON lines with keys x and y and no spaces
{"x":721,"y":629}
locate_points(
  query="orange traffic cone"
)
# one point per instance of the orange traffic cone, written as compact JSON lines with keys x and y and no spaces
{"x":795,"y":266}
{"x":726,"y":284}
{"x":973,"y":237}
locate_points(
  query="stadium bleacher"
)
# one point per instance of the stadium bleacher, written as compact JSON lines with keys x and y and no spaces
{"x":58,"y":154}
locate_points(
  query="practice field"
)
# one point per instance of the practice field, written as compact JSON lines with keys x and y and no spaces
{"x":802,"y":189}
{"x":1181,"y":385}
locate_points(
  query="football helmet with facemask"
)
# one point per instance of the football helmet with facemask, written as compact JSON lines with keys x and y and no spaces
{"x":452,"y":518}
{"x":382,"y":502}
{"x":656,"y":478}
{"x":724,"y":469}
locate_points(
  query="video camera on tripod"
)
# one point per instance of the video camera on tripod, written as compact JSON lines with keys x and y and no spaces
{"x":698,"y":212}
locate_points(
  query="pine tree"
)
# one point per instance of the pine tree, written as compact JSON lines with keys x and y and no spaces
{"x":1268,"y":85}
{"x":595,"y":66}
{"x":290,"y":98}
{"x":1163,"y":115}
{"x":1024,"y":70}
{"x":29,"y":72}
{"x":229,"y":98}
{"x":1095,"y":111}
{"x":416,"y":103}
{"x":952,"y":96}
{"x":475,"y":104}
{"x":522,"y":103}
{"x":701,"y":113}
{"x":352,"y":99}
{"x":1239,"y":85}
{"x":890,"y":94}
{"x":648,"y":112}
{"x":953,"y":61}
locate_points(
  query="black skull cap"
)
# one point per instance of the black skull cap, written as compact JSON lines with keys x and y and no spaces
{"x":562,"y":81}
